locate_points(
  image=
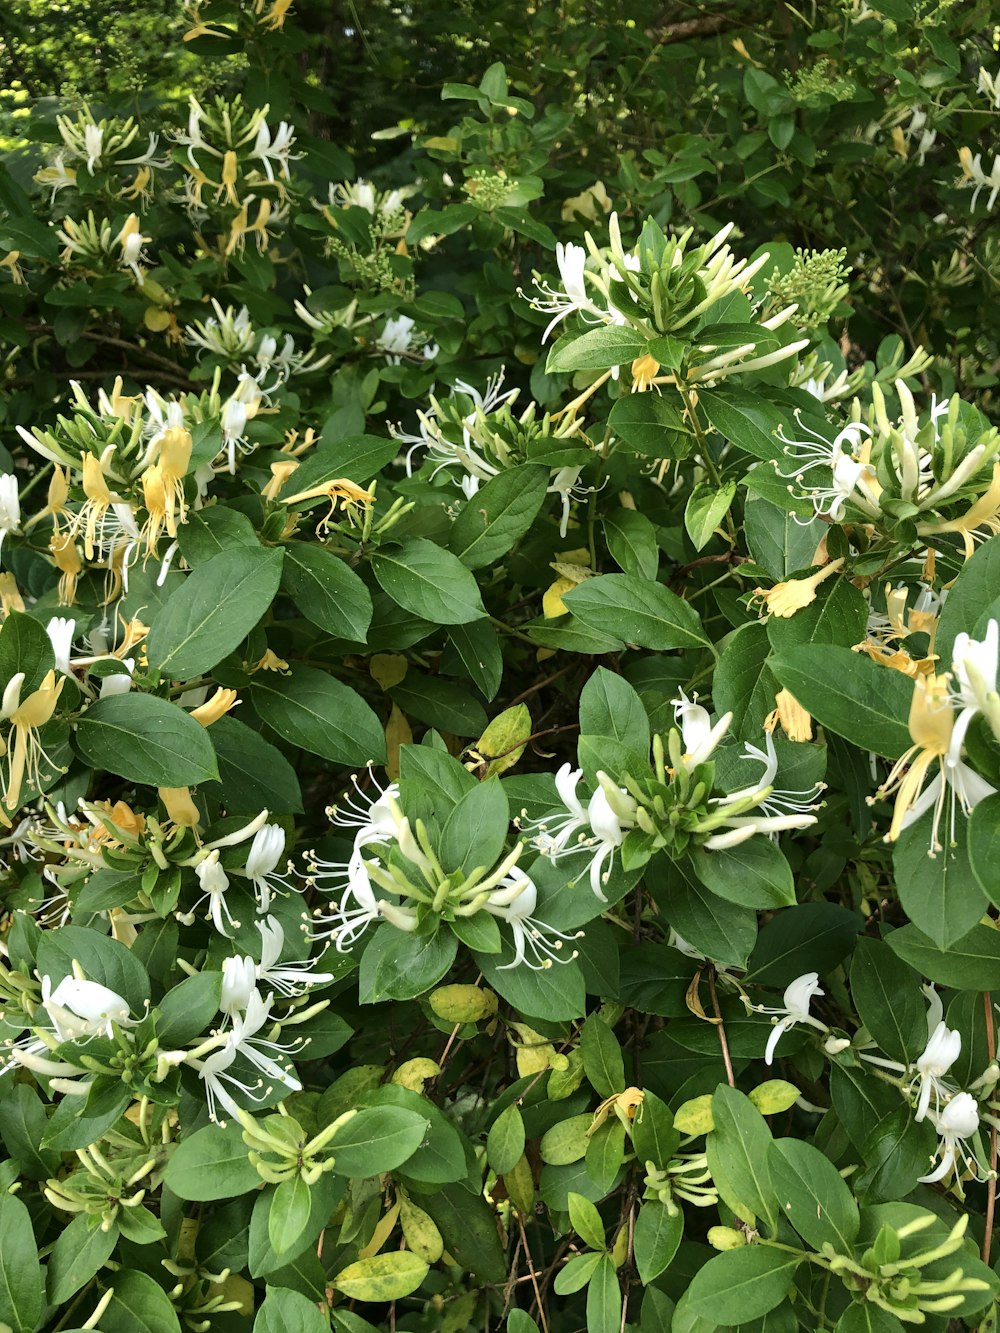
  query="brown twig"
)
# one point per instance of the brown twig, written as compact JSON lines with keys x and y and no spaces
{"x":532,"y":1274}
{"x":721,"y":1029}
{"x":541,"y":684}
{"x":991,"y":1186}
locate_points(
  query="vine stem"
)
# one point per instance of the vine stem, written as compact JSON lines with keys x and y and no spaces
{"x":721,"y":1029}
{"x":991,"y":1186}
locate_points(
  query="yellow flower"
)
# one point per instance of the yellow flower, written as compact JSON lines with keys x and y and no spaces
{"x":983,"y":513}
{"x":212,"y":709}
{"x":784,"y":599}
{"x":624,"y":1104}
{"x":644,"y":372}
{"x":270,"y":662}
{"x":163,"y":485}
{"x":280,"y":472}
{"x":795,"y":722}
{"x":56,"y":503}
{"x":179,"y":806}
{"x":9,"y":261}
{"x":68,"y":562}
{"x":931,"y":721}
{"x":10,"y":596}
{"x":230,"y":174}
{"x":26,"y":717}
{"x":340,"y":491}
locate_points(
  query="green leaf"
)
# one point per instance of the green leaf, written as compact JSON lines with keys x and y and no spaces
{"x":737,"y":1150}
{"x":744,"y":684}
{"x":657,"y":1236}
{"x":213,"y":611}
{"x":940,"y":893}
{"x":970,"y":963}
{"x":139,"y":1305}
{"x":600,"y":349}
{"x":400,"y":966}
{"x":723,"y":932}
{"x":286,"y":1311}
{"x":505,"y":1142}
{"x":651,"y":425}
{"x":475,"y":831}
{"x":602,"y":1057}
{"x":972,"y":593}
{"x":838,"y":615}
{"x":813,"y":936}
{"x":23,"y":1123}
{"x":429,"y":582}
{"x":288,"y":1214}
{"x":320,"y":714}
{"x":576,"y":1273}
{"x":210,"y":1164}
{"x":706,"y":507}
{"x":498,"y":514}
{"x":653,"y":1135}
{"x":556,"y":993}
{"x":637,"y":611}
{"x":327,"y":591}
{"x":80,"y":1251}
{"x":142,"y":738}
{"x":254,"y":774}
{"x":478,"y":648}
{"x":753,"y":874}
{"x":813,"y":1195}
{"x":745,"y":419}
{"x":24,"y":647}
{"x":383,"y":1277}
{"x":469,"y":1229}
{"x":604,"y":1299}
{"x":984,"y":845}
{"x":210,"y":531}
{"x":776,"y":540}
{"x":586,"y":1221}
{"x":20,"y":1272}
{"x":187,"y":1009}
{"x":896,"y":1154}
{"x":609,"y":706}
{"x":740,"y":1285}
{"x":867,"y":1318}
{"x":376,"y":1140}
{"x":849,"y":694}
{"x":631,"y":540}
{"x":888,"y":999}
{"x":356,"y":457}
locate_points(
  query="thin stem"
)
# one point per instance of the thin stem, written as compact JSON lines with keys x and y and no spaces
{"x":991,"y":1186}
{"x":721,"y":1029}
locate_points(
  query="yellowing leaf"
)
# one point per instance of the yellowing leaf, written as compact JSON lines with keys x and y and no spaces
{"x":415,"y":1073}
{"x":463,"y":1004}
{"x":502,"y":743}
{"x":695,"y":1116}
{"x":388,"y":669}
{"x":397,"y":733}
{"x":520,"y":1186}
{"x":156,"y":320}
{"x":552,"y":599}
{"x":384,"y":1277}
{"x":726,"y":1238}
{"x":382,"y":1232}
{"x":774,"y":1096}
{"x":422,"y":1236}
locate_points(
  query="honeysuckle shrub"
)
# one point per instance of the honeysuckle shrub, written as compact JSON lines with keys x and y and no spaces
{"x":498,"y":690}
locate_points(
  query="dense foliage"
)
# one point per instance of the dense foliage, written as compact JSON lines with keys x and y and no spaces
{"x":499,"y":728}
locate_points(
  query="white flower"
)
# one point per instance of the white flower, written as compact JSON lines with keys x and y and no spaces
{"x":513,"y":901}
{"x":851,"y":476}
{"x":265,"y":852}
{"x":974,"y":666}
{"x":974,"y":170}
{"x":773,"y":801}
{"x":214,"y":882}
{"x":277,"y":149}
{"x":243,"y":1040}
{"x":357,"y":909}
{"x":290,"y":978}
{"x":79,"y":1008}
{"x":699,"y":736}
{"x":93,"y":138}
{"x":571,"y":260}
{"x":10,"y":505}
{"x":60,"y":632}
{"x":795,"y":1009}
{"x":599,"y":829}
{"x":120,"y":682}
{"x":239,"y":979}
{"x":396,"y":339}
{"x":943,"y":1048}
{"x":958,"y":1121}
